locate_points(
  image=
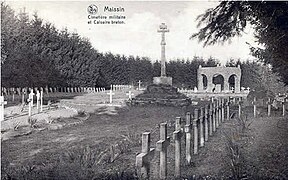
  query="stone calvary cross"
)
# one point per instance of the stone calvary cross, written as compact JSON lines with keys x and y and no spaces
{"x":163,"y":79}
{"x":163,"y":29}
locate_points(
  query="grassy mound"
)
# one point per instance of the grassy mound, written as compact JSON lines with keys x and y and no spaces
{"x":162,"y":91}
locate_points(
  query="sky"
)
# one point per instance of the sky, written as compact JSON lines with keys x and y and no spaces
{"x":139,"y":36}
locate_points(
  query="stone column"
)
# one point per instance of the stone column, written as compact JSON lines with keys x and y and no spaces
{"x":237,"y":84}
{"x":200,"y":80}
{"x":210,"y":85}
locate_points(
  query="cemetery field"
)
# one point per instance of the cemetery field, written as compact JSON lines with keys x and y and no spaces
{"x":84,"y":151}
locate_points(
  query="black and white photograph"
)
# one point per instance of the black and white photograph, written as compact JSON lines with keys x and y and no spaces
{"x":134,"y":90}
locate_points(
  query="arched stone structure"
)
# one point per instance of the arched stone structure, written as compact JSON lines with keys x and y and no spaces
{"x":226,"y":73}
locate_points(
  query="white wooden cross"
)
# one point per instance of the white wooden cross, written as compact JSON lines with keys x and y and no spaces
{"x":139,"y":84}
{"x":31,"y":97}
{"x":144,"y":158}
{"x":30,"y":104}
{"x":38,"y":99}
{"x":2,"y":103}
{"x":129,"y":94}
{"x":162,"y":146}
{"x":41,"y":101}
{"x":110,"y":95}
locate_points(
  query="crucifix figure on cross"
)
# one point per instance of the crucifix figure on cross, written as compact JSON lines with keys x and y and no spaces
{"x":110,"y":95}
{"x":163,"y":29}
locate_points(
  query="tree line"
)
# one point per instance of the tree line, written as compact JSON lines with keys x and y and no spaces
{"x":36,"y":54}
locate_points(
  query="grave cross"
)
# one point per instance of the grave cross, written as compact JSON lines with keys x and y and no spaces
{"x":143,"y":159}
{"x":161,"y":146}
{"x":195,"y":131}
{"x":41,"y":101}
{"x":188,"y":131}
{"x":163,"y":29}
{"x":2,"y":103}
{"x":206,"y":117}
{"x":177,"y":134}
{"x":201,"y":128}
{"x":129,"y":94}
{"x":38,"y":100}
{"x":30,"y":105}
{"x":139,"y":85}
{"x":31,"y":95}
{"x":110,"y":95}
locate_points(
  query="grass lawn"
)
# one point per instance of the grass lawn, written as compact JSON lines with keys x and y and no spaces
{"x":83,"y":151}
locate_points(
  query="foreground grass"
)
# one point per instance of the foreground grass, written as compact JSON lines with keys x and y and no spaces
{"x":84,"y":151}
{"x":76,"y":151}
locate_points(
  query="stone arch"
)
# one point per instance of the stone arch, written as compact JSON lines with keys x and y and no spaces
{"x":232,"y":81}
{"x":218,"y":83}
{"x":225,"y":72}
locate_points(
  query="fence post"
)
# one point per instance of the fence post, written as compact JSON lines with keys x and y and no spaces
{"x":187,"y":130}
{"x":201,"y":127}
{"x":161,"y":146}
{"x":177,"y":134}
{"x":195,"y":131}
{"x":210,"y":118}
{"x":147,"y":153}
{"x":206,"y":123}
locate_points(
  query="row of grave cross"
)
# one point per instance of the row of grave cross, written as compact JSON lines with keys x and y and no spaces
{"x":202,"y":126}
{"x":111,"y":93}
{"x":47,"y":90}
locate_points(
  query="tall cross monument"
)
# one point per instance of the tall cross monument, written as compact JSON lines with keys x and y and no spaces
{"x":163,"y":79}
{"x":163,"y":29}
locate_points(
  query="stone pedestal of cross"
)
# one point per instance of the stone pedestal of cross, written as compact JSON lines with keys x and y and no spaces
{"x":37,"y":101}
{"x":144,"y":158}
{"x":129,"y":94}
{"x":110,"y":96}
{"x":206,"y":117}
{"x":195,"y":129}
{"x":139,"y":85}
{"x":201,"y":129}
{"x":2,"y":103}
{"x":162,"y":146}
{"x":177,"y":135}
{"x":188,"y":132}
